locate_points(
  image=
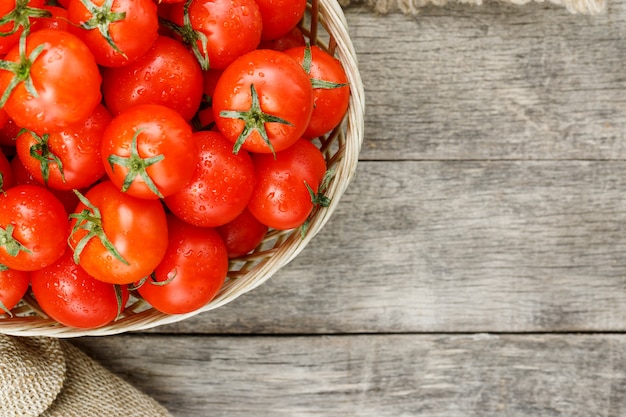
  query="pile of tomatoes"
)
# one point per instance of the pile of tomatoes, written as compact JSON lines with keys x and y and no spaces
{"x":145,"y":143}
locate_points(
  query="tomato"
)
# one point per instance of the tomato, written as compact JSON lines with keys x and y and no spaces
{"x":291,"y":39}
{"x":280,"y":16}
{"x":117,"y":238}
{"x":33,"y":228}
{"x":13,"y":286}
{"x":6,"y":173}
{"x":69,"y":295}
{"x":117,"y":32}
{"x":69,"y":158}
{"x":167,"y":74}
{"x":331,"y":93}
{"x":204,"y":119}
{"x":8,"y":131}
{"x":22,"y":176}
{"x":242,"y":234}
{"x":281,"y":198}
{"x":221,"y":30}
{"x":149,"y":151}
{"x":57,"y":19}
{"x":192,"y":272}
{"x":16,"y":14}
{"x":220,"y":187}
{"x":52,"y":59}
{"x":263,"y":101}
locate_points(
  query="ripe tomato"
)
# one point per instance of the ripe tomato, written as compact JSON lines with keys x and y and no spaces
{"x":221,"y":30}
{"x":33,"y":228}
{"x":167,"y":74}
{"x":6,"y":173}
{"x":331,"y":93}
{"x":194,"y":269}
{"x":18,"y":14}
{"x":117,"y":238}
{"x":291,"y":39}
{"x":220,"y":187}
{"x":149,"y":152}
{"x":13,"y":286}
{"x":280,"y":16}
{"x":57,"y":19}
{"x":52,"y":58}
{"x":263,"y":101}
{"x":69,"y":158}
{"x":242,"y":234}
{"x":9,"y":130}
{"x":281,"y":198}
{"x":117,"y":32}
{"x":72,"y":297}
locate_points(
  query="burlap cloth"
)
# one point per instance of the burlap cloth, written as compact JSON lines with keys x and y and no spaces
{"x":51,"y":378}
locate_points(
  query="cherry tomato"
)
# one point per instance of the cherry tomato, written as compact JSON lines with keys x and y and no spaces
{"x":56,"y":62}
{"x":280,"y":16}
{"x":220,"y":187}
{"x":117,"y":238}
{"x":33,"y":228}
{"x":291,"y":39}
{"x":6,"y":173}
{"x":8,"y":131}
{"x":242,"y":234}
{"x":69,"y":158}
{"x":331,"y":93}
{"x":19,"y":13}
{"x":57,"y":19}
{"x":13,"y":286}
{"x":263,"y":101}
{"x":69,"y":295}
{"x":222,"y":29}
{"x":282,"y":196}
{"x":167,"y":74}
{"x":194,"y":269}
{"x":117,"y":32}
{"x":149,"y":151}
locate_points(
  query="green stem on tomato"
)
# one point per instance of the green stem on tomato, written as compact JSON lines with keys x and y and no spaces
{"x":21,"y":70}
{"x":11,"y":245}
{"x":41,"y":152}
{"x":20,"y":16}
{"x":102,"y":19}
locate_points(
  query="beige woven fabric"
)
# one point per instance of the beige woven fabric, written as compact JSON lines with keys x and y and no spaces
{"x":49,"y":377}
{"x":590,"y":7}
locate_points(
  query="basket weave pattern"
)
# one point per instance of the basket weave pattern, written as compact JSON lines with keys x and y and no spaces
{"x":325,"y":26}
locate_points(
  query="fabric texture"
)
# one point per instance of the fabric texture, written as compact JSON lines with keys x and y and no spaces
{"x":50,"y":377}
{"x":587,"y":7}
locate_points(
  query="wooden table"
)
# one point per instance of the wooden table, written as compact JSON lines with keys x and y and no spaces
{"x":476,"y":266}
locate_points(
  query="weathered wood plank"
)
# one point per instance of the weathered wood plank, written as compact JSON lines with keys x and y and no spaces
{"x":493,"y":82}
{"x":374,"y":375}
{"x":453,"y":247}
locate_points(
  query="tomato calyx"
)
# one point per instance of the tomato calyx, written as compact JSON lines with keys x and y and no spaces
{"x":316,"y":83}
{"x":42,"y":153}
{"x":9,"y":243}
{"x":90,"y":219}
{"x":119,"y":297}
{"x":152,"y":280}
{"x":190,"y":36}
{"x":254,"y":120}
{"x":136,"y":166}
{"x":21,"y":70}
{"x":20,"y":16}
{"x":102,"y":19}
{"x":318,"y":199}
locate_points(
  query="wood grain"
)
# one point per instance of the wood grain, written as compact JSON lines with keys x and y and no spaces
{"x":375,"y":375}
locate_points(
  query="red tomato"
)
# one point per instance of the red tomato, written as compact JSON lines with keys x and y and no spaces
{"x":57,"y":63}
{"x":149,"y":151}
{"x":69,"y":158}
{"x":291,"y":39}
{"x":57,"y":19}
{"x":69,"y":295}
{"x":117,"y":238}
{"x":22,"y":176}
{"x":194,"y":267}
{"x":22,"y":13}
{"x":8,"y":131}
{"x":242,"y":234}
{"x":117,"y":32}
{"x":13,"y":286}
{"x":281,"y":198}
{"x":167,"y":74}
{"x":280,"y":16}
{"x":6,"y":173}
{"x":221,"y":30}
{"x":33,"y":228}
{"x":331,"y":93}
{"x":263,"y":101}
{"x":220,"y":187}
{"x":204,"y":119}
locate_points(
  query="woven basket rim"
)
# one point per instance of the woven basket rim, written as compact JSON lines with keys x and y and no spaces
{"x":331,"y":18}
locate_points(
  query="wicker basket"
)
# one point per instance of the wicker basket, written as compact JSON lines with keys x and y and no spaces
{"x":324,"y":25}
